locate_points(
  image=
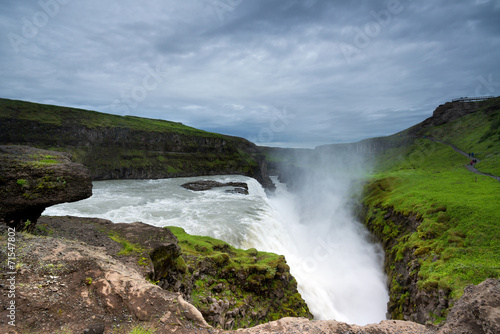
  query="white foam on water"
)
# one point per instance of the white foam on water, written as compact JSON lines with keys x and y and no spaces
{"x":338,"y":269}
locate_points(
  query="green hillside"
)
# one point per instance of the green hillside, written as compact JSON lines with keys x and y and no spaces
{"x":128,"y":147}
{"x":458,"y":239}
{"x":439,"y":223}
{"x":477,"y":133}
{"x":50,"y":114}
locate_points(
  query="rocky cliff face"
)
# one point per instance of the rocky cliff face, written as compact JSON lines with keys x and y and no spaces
{"x":89,"y":275}
{"x":443,"y":114}
{"x":407,"y":301}
{"x":117,"y":147}
{"x":231,"y":288}
{"x":33,"y":179}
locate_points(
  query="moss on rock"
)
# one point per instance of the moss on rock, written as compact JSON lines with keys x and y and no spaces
{"x":234,"y":288}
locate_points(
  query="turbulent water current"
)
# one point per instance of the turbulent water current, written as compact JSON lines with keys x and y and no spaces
{"x":337,"y":267}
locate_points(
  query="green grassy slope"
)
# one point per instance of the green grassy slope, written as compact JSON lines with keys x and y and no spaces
{"x":460,"y":217}
{"x":258,"y":285}
{"x":57,"y":115}
{"x":113,"y":146}
{"x":458,"y":240}
{"x":477,"y":133}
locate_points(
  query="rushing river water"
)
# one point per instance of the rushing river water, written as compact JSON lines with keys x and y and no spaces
{"x":338,"y":269}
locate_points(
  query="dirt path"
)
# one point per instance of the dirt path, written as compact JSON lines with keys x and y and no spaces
{"x":469,"y":167}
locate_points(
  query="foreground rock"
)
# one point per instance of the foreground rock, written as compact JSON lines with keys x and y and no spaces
{"x":68,"y":286}
{"x":33,"y":179}
{"x":478,"y":311}
{"x":91,"y":274}
{"x":299,"y":326}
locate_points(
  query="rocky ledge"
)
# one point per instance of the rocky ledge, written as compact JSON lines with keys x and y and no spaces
{"x":33,"y":179}
{"x":92,"y":285}
{"x":231,"y":287}
{"x":77,"y":274}
{"x":74,"y":275}
{"x":127,"y":274}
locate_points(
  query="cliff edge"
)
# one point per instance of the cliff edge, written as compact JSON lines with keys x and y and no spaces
{"x":33,"y":179}
{"x":96,"y":281}
{"x":128,"y":147}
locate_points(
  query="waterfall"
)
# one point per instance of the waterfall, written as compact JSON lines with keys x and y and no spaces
{"x":338,"y":269}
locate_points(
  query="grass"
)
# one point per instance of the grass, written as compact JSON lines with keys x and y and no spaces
{"x":244,"y":278}
{"x":225,"y":254}
{"x":22,"y":182}
{"x":127,"y":247}
{"x":58,"y":115}
{"x":458,"y":241}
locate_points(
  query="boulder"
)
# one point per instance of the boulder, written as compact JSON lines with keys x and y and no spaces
{"x":238,"y":187}
{"x":69,"y":286}
{"x":477,"y":311}
{"x":33,"y":179}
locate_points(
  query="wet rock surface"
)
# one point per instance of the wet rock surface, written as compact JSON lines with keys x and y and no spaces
{"x":238,"y":187}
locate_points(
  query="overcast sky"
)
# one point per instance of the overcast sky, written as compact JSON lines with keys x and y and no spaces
{"x":284,"y":73}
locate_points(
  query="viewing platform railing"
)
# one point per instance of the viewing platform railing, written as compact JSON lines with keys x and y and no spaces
{"x":472,"y":99}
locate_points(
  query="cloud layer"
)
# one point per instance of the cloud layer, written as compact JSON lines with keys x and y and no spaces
{"x":283,"y":73}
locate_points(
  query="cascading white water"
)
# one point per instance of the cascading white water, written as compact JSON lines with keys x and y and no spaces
{"x":338,"y":269}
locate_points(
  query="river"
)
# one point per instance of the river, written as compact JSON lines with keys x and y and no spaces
{"x":338,"y":268}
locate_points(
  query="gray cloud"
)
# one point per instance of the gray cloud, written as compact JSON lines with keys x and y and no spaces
{"x":339,"y":71}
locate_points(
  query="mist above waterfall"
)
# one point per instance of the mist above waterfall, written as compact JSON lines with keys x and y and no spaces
{"x":338,"y":265}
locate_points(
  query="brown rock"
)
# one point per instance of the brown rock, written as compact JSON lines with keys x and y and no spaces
{"x":478,"y":311}
{"x":98,"y":289}
{"x":239,"y":187}
{"x":33,"y":179}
